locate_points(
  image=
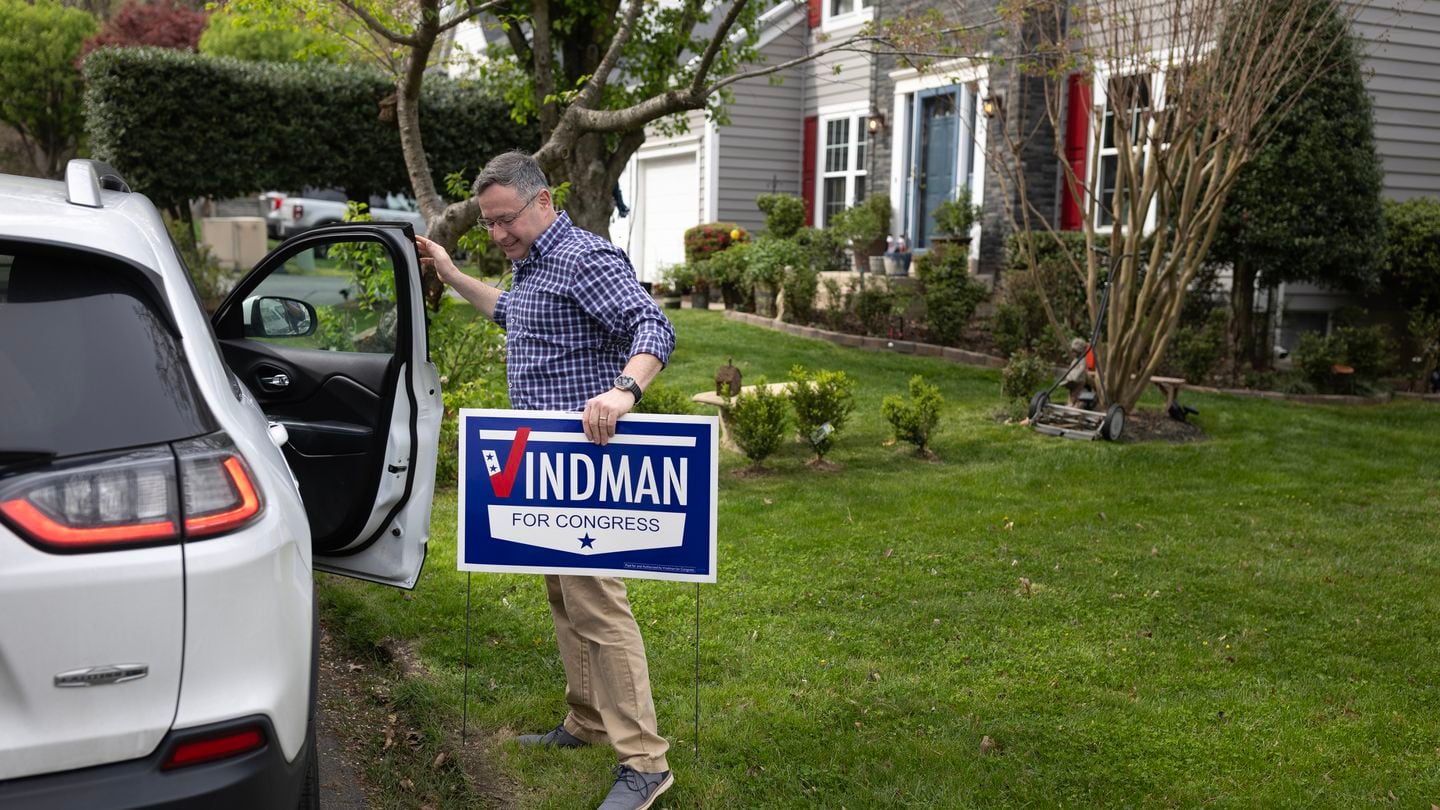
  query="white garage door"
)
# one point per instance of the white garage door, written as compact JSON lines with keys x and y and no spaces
{"x":669,"y":203}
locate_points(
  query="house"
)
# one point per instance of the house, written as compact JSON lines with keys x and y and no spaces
{"x":849,"y":124}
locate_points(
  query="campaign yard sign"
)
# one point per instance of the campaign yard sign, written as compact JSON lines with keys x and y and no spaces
{"x":536,"y":496}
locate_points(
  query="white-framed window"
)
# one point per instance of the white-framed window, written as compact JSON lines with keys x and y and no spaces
{"x":842,"y":143}
{"x":842,"y":8}
{"x":1120,"y":91}
{"x":1142,"y":99}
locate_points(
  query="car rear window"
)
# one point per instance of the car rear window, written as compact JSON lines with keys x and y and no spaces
{"x":86,"y":361}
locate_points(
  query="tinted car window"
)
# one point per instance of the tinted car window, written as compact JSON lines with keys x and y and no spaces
{"x":86,"y":363}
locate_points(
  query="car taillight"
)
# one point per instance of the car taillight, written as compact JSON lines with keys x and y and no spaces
{"x":297,"y":211}
{"x":209,"y":749}
{"x":121,"y":501}
{"x":134,"y":499}
{"x":276,"y":202}
{"x":217,"y":491}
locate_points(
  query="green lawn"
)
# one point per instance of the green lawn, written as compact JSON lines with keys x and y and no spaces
{"x":1250,"y":621}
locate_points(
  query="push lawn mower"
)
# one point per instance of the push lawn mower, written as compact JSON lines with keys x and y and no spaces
{"x":1079,"y":422}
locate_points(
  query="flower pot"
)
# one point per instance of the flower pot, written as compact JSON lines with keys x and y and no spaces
{"x":671,"y":301}
{"x":700,"y":299}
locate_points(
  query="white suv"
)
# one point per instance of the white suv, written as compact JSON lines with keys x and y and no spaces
{"x":168,"y":484}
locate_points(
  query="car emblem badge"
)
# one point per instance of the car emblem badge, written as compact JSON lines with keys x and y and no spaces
{"x":101,"y":676}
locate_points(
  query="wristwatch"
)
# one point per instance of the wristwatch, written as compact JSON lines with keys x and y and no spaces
{"x":627,"y":383}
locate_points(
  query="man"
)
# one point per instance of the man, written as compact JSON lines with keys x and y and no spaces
{"x":581,"y":335}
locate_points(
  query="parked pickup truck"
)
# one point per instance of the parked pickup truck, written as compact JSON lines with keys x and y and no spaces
{"x":289,"y":214}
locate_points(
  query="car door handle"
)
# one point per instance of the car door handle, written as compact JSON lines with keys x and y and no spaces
{"x":277,"y":382}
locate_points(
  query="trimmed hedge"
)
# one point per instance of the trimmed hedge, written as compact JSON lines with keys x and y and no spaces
{"x":181,"y":125}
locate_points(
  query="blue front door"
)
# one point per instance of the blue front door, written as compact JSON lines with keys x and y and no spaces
{"x":943,"y":149}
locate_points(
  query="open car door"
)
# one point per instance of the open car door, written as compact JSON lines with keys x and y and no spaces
{"x":328,"y":333}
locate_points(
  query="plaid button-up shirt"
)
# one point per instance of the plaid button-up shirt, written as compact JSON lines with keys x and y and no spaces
{"x":573,"y":318}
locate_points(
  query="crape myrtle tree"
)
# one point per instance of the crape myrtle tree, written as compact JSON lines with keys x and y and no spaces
{"x":1307,"y":207}
{"x":1191,"y":93}
{"x":593,"y":73}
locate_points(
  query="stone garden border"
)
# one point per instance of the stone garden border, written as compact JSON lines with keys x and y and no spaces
{"x":989,"y":361}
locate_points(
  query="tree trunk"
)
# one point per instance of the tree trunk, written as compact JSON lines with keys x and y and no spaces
{"x":593,"y":169}
{"x":1242,"y":316}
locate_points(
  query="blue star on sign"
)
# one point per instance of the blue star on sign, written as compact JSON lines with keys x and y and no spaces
{"x":587,"y":541}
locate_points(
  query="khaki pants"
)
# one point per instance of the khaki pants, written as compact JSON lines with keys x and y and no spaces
{"x":607,"y":681}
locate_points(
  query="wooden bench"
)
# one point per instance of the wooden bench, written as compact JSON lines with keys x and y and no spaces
{"x":1170,"y":388}
{"x":723,"y":403}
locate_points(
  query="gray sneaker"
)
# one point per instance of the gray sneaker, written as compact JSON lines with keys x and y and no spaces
{"x":557,"y":738}
{"x":634,"y":790}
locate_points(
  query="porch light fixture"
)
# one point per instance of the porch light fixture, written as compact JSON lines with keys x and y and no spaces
{"x":875,"y":123}
{"x":993,"y":105}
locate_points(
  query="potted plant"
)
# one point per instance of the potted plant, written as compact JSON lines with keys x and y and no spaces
{"x":768,"y":259}
{"x":954,"y":218}
{"x":728,"y":273}
{"x":665,"y":289}
{"x":865,"y":227}
{"x":700,"y":293}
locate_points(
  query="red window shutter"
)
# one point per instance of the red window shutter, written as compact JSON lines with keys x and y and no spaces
{"x":807,"y":172}
{"x":1077,"y":137}
{"x":815,"y":11}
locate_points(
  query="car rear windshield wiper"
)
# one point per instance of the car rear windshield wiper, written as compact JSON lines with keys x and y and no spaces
{"x":20,"y":458}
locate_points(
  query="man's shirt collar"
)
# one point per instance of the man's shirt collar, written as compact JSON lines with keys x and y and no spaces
{"x":557,"y":232}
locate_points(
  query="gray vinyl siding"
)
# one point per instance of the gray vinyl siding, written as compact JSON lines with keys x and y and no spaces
{"x":760,"y":149}
{"x":654,"y":141}
{"x":1401,"y":39}
{"x":824,"y":87}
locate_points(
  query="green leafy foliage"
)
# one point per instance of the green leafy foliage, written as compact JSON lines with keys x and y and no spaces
{"x":784,"y":214}
{"x":729,"y":270}
{"x":368,"y":264}
{"x":824,"y":247}
{"x":662,"y":397}
{"x":864,"y":224}
{"x":823,"y":401}
{"x":40,"y":89}
{"x":876,"y":308}
{"x":801,"y":284}
{"x":271,"y":125}
{"x":1411,"y":268}
{"x":1307,"y":207}
{"x":469,"y":355}
{"x":1197,"y":348}
{"x":956,"y":216}
{"x":1365,"y":349}
{"x":466,"y":346}
{"x":1025,"y":373}
{"x":1020,"y":320}
{"x":951,"y":293}
{"x":769,"y":257}
{"x":914,"y":419}
{"x":759,"y":420}
{"x":270,"y":38}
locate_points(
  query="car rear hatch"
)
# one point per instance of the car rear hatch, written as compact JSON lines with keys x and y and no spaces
{"x":98,"y":402}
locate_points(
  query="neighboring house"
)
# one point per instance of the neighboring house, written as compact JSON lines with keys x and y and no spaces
{"x":849,"y":124}
{"x":713,"y":172}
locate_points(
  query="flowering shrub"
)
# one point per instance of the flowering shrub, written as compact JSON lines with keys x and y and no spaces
{"x":707,"y":239}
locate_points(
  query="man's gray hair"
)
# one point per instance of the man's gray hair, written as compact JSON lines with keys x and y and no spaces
{"x":516,"y":170}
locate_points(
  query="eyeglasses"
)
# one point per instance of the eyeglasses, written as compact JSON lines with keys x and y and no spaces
{"x":509,"y":219}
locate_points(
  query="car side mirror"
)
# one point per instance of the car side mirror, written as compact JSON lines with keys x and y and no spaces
{"x":271,"y":316}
